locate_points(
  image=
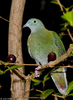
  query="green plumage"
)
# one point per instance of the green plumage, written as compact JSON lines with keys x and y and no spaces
{"x":40,"y":43}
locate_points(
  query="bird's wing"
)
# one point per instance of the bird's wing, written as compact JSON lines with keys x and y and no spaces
{"x":58,"y":43}
{"x":29,"y":50}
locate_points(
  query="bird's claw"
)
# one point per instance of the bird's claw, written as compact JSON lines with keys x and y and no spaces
{"x":36,"y":69}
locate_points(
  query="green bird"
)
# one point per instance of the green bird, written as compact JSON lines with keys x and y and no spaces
{"x":42,"y":42}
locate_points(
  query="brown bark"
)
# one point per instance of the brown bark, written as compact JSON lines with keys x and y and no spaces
{"x":15,"y":45}
{"x":27,"y":89}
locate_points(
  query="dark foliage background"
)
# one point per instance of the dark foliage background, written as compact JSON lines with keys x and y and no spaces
{"x":49,"y":15}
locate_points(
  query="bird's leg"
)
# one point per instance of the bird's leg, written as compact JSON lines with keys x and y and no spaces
{"x":36,"y":71}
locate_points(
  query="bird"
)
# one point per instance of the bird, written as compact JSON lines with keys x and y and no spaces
{"x":42,"y":42}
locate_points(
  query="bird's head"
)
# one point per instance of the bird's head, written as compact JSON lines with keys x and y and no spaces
{"x":34,"y":25}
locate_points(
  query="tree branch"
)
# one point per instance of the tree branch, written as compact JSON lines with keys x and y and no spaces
{"x":65,"y":25}
{"x":51,"y":64}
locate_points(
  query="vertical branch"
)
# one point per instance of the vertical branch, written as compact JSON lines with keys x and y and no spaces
{"x":55,"y":97}
{"x":27,"y":89}
{"x":14,"y":45}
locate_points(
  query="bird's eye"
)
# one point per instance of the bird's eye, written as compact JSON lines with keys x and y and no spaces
{"x":34,"y":21}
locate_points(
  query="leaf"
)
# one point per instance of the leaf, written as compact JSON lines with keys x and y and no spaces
{"x":46,"y":93}
{"x":55,"y":2}
{"x":1,"y":71}
{"x":37,"y":83}
{"x":67,"y":9}
{"x":70,"y":6}
{"x":69,"y":17}
{"x":71,"y":94}
{"x":70,"y":88}
{"x":31,"y":72}
{"x":46,"y":76}
{"x":63,"y":24}
{"x":63,"y":28}
{"x":14,"y":67}
{"x":72,"y":51}
{"x":35,"y":80}
{"x":46,"y":79}
{"x":58,"y":94}
{"x":39,"y":95}
{"x":10,"y":68}
{"x":61,"y":37}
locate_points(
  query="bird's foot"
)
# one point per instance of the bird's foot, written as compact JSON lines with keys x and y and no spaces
{"x":36,"y":71}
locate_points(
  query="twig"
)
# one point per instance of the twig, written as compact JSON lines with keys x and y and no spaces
{"x":9,"y":21}
{"x":70,"y":34}
{"x":60,"y":6}
{"x":58,"y":96}
{"x":38,"y":90}
{"x":3,"y":63}
{"x":69,"y":66}
{"x":63,"y":34}
{"x":65,"y":25}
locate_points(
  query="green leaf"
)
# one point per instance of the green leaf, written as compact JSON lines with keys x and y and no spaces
{"x":67,"y":9}
{"x":70,"y":88}
{"x":37,"y":83}
{"x":14,"y":67}
{"x":63,"y":24}
{"x":61,"y":37}
{"x":63,"y":28}
{"x":1,"y":71}
{"x":69,"y":17}
{"x":55,"y":2}
{"x":35,"y":80}
{"x":46,"y":79}
{"x":46,"y":93}
{"x":58,"y":94}
{"x":72,"y":51}
{"x":39,"y":95}
{"x":46,"y":76}
{"x":31,"y":72}
{"x":71,"y":94}
{"x":70,"y":6}
{"x":10,"y":68}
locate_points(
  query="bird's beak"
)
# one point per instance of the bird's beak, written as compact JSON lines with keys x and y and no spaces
{"x":26,"y":25}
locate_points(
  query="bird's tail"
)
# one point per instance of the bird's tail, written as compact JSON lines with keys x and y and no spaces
{"x":59,"y":78}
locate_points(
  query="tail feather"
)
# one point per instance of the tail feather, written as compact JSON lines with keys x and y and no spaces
{"x":60,"y":80}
